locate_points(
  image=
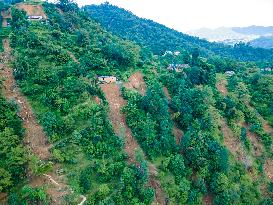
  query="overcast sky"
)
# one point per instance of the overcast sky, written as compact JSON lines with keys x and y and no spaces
{"x":185,"y":15}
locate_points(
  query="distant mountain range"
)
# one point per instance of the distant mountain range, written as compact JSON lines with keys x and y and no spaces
{"x":257,"y":36}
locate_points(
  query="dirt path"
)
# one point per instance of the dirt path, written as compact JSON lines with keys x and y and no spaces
{"x":116,"y":102}
{"x":35,"y":138}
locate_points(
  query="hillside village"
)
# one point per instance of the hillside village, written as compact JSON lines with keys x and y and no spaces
{"x":90,"y":116}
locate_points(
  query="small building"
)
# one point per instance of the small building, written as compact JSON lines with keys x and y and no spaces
{"x":176,"y":53}
{"x":167,"y":53}
{"x":178,"y":67}
{"x":107,"y":79}
{"x":229,"y":73}
{"x":268,"y":69}
{"x":35,"y":17}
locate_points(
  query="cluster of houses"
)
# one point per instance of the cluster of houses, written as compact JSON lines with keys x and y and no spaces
{"x":267,"y":69}
{"x":178,"y":67}
{"x":175,"y":53}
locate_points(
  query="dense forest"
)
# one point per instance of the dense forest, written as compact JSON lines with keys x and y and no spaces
{"x":203,"y":136}
{"x":158,"y":38}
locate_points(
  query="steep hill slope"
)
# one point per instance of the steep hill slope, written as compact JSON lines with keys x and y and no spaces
{"x":159,"y":38}
{"x":55,"y":65}
{"x":122,"y":143}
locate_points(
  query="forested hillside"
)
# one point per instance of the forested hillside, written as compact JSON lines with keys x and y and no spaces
{"x":158,"y":38}
{"x":148,"y":134}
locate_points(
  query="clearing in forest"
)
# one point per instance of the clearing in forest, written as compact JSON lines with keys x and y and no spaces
{"x":32,"y":9}
{"x":116,"y":102}
{"x":222,"y":87}
{"x":35,"y":138}
{"x":136,"y":81}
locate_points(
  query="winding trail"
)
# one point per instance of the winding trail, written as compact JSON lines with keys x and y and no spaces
{"x":116,"y":102}
{"x":35,"y":138}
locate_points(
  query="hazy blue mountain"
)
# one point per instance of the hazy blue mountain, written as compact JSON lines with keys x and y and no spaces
{"x":222,"y":34}
{"x":263,"y":42}
{"x":159,"y":38}
{"x":254,"y":30}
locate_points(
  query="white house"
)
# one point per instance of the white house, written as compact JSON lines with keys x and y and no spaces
{"x":35,"y":17}
{"x":107,"y":79}
{"x":229,"y":73}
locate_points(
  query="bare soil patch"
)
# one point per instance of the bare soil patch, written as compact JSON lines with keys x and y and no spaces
{"x":207,"y":200}
{"x":268,"y":169}
{"x":255,"y":141}
{"x":116,"y":102}
{"x":222,"y":87}
{"x":97,"y":100}
{"x":266,"y":126}
{"x":178,"y":134}
{"x":32,"y":10}
{"x":136,"y":81}
{"x":231,"y":142}
{"x":35,"y":138}
{"x":166,"y":92}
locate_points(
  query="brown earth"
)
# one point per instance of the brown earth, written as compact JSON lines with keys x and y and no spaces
{"x":207,"y":200}
{"x":268,"y":169}
{"x":97,"y":100}
{"x":116,"y":102}
{"x":235,"y":146}
{"x":266,"y":126}
{"x":255,"y":141}
{"x":5,"y":16}
{"x":222,"y":87}
{"x":167,"y":93}
{"x":231,"y":142}
{"x":32,"y":10}
{"x":35,"y":138}
{"x":136,"y":81}
{"x":178,"y":134}
{"x":4,"y":23}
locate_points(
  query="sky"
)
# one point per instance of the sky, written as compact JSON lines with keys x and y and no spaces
{"x":185,"y":15}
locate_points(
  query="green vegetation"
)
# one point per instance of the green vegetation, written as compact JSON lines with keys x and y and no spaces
{"x":159,"y":38}
{"x":13,"y":155}
{"x":56,"y":65}
{"x":61,"y":91}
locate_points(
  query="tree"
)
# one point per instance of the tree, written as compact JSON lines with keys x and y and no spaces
{"x":5,"y":180}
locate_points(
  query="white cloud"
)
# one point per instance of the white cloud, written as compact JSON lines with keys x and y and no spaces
{"x":185,"y":15}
